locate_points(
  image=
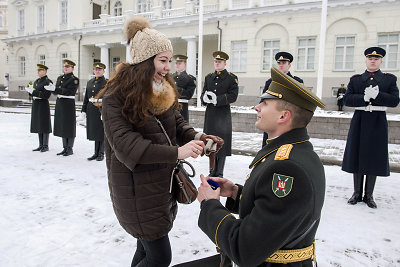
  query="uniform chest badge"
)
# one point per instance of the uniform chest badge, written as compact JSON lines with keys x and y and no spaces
{"x":281,"y":185}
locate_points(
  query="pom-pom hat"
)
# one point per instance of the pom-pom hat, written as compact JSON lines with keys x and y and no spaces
{"x":144,"y":42}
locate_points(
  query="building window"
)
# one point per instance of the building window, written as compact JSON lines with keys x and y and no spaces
{"x":344,"y":52}
{"x":167,"y":4}
{"x":114,"y":62}
{"x":306,"y":54}
{"x":1,"y":21}
{"x":270,"y":48}
{"x":64,"y":12}
{"x":240,"y":89}
{"x":239,"y":56}
{"x":143,"y":6}
{"x":21,"y":65}
{"x":118,"y":9}
{"x":63,"y":55}
{"x":389,"y":42}
{"x":21,"y":20}
{"x":40,"y":17}
{"x":42,"y":59}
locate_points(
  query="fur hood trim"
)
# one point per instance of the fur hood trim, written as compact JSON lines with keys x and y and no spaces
{"x":163,"y":98}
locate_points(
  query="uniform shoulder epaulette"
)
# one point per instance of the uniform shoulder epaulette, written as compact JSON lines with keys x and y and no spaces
{"x":209,"y":74}
{"x":390,"y":74}
{"x":283,"y":152}
{"x":355,"y":75}
{"x":233,"y":75}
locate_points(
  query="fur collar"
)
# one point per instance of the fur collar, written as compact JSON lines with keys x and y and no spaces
{"x":163,"y":98}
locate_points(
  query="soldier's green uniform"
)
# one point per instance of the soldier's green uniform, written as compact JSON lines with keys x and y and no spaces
{"x":280,"y":203}
{"x":65,"y":115}
{"x":40,"y":115}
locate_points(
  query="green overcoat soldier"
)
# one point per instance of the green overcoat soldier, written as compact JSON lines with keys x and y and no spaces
{"x":185,"y":83}
{"x":91,"y":112}
{"x":280,"y":203}
{"x":40,"y":115}
{"x":65,"y":116}
{"x":219,"y":92}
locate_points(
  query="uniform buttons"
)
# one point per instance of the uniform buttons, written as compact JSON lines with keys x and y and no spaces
{"x":92,"y":91}
{"x":94,"y":85}
{"x":216,"y":83}
{"x":263,"y":160}
{"x":215,"y":90}
{"x":371,"y":78}
{"x":61,"y":81}
{"x":248,"y":176}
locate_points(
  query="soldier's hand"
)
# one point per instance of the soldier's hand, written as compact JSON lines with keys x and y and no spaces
{"x":29,"y":89}
{"x":206,"y":98}
{"x":374,"y":91}
{"x":227,"y":188}
{"x":51,"y":87}
{"x":205,"y":190}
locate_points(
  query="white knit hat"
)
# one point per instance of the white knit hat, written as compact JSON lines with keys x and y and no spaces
{"x":144,"y":42}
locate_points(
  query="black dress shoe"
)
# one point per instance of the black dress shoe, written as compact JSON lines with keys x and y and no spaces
{"x":93,"y":157}
{"x":62,"y":152}
{"x":100,"y":158}
{"x":355,"y":198}
{"x":44,"y":149}
{"x":369,"y":200}
{"x":68,"y":152}
{"x":37,"y":149}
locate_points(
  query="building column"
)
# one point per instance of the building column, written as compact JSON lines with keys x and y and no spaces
{"x":191,"y":54}
{"x":128,"y":57}
{"x":105,"y":58}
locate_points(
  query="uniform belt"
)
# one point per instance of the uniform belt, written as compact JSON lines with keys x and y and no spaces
{"x":292,"y":255}
{"x":183,"y":101}
{"x":35,"y":98}
{"x":66,"y":96}
{"x":95,"y":100}
{"x":372,"y":108}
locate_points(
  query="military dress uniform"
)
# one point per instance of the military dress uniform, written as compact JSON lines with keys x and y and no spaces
{"x":279,"y":205}
{"x":40,"y":115}
{"x":65,"y":115}
{"x":94,"y":124}
{"x":280,"y":56}
{"x":340,"y":94}
{"x":218,"y":118}
{"x":366,"y":151}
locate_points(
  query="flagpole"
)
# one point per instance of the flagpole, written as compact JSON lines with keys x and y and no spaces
{"x":320,"y":77}
{"x":200,"y":55}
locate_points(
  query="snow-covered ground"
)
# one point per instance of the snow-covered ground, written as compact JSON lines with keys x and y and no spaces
{"x":56,"y":211}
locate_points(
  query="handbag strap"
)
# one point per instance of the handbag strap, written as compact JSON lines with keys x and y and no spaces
{"x":165,"y":132}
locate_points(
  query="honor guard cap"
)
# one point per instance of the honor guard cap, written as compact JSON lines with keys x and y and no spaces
{"x":283,"y":56}
{"x":69,"y":63}
{"x":99,"y":65}
{"x":219,"y":55}
{"x":180,"y":58}
{"x":375,"y":52}
{"x":286,"y":88}
{"x":41,"y":67}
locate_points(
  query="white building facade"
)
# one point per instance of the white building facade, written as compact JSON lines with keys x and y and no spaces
{"x":250,"y":31}
{"x":3,"y":47}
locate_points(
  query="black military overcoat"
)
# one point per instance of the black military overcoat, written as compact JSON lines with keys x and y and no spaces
{"x":40,"y":116}
{"x":280,"y":200}
{"x":94,"y":124}
{"x":218,"y":118}
{"x":65,"y":115}
{"x":186,"y":84}
{"x":366,"y":149}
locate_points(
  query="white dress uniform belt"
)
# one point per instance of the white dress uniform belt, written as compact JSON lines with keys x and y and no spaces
{"x":66,"y":96}
{"x":95,"y":100}
{"x":372,"y":108}
{"x":183,"y":101}
{"x":35,"y":97}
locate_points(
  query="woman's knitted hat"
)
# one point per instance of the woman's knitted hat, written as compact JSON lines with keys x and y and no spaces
{"x":144,"y":42}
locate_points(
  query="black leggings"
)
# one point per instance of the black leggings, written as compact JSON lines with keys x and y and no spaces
{"x":155,"y":253}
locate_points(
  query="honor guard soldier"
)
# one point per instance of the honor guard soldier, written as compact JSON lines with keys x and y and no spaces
{"x":65,"y":116}
{"x":219,"y":91}
{"x":280,"y":203}
{"x":91,"y":112}
{"x":366,"y":153}
{"x":340,"y":94}
{"x":40,"y":115}
{"x":283,"y":60}
{"x":185,"y":83}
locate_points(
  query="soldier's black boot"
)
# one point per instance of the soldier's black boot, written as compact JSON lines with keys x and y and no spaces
{"x":219,"y":166}
{"x":70,"y":144}
{"x":64,"y":140}
{"x":45,"y":146}
{"x":96,"y":151}
{"x":100,"y":157}
{"x":40,"y":143}
{"x":358,"y":189}
{"x":369,"y":190}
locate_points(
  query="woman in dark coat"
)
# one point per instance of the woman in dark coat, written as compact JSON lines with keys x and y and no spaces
{"x":138,"y":155}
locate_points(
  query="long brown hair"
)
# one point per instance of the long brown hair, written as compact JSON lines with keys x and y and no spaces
{"x":134,"y":84}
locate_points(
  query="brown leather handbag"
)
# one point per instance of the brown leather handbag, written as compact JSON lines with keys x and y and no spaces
{"x":181,"y":186}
